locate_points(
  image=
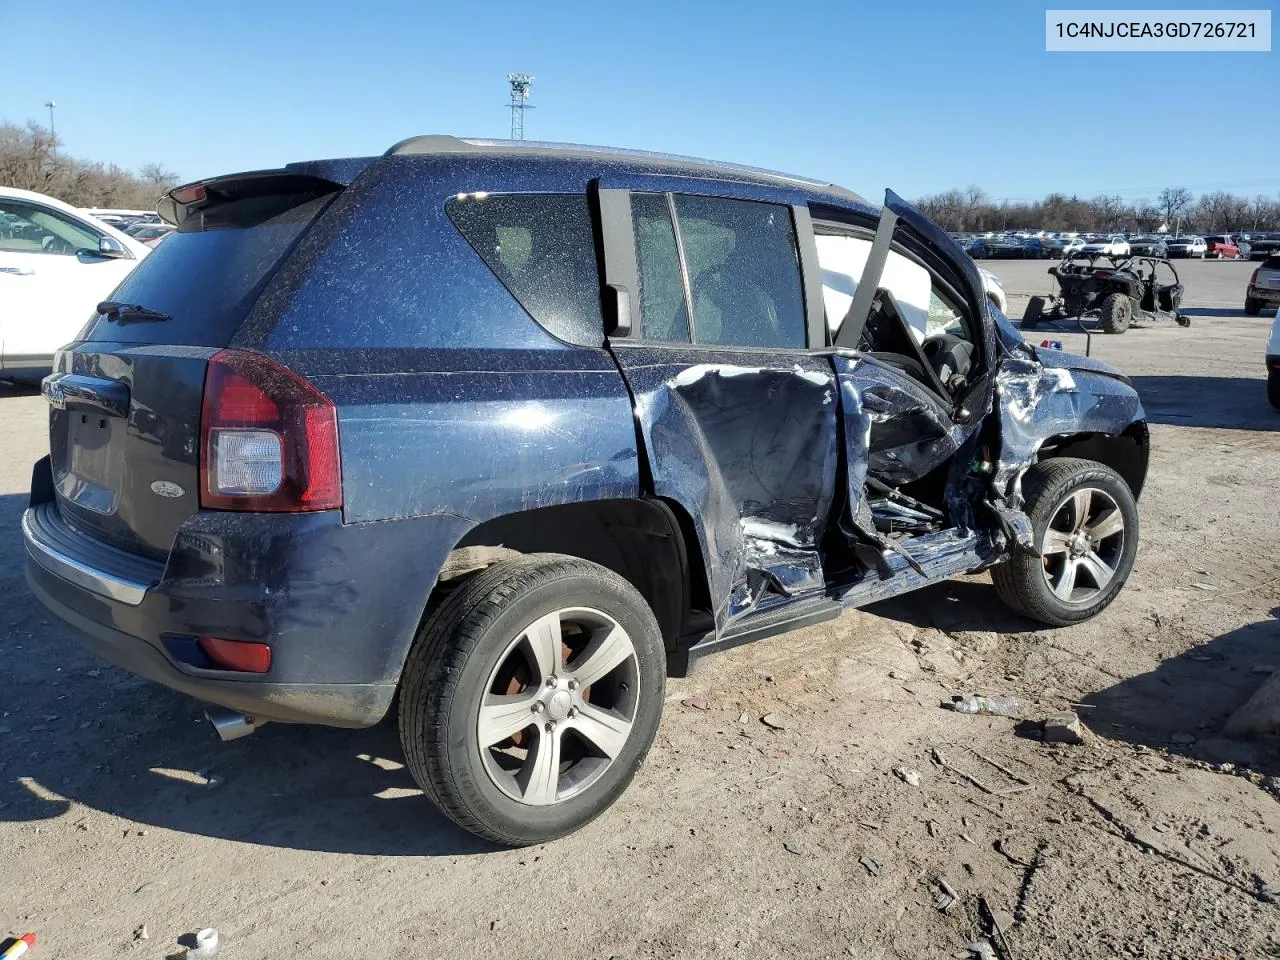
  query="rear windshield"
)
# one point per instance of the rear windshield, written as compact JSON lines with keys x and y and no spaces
{"x":1272,"y":262}
{"x":207,"y":275}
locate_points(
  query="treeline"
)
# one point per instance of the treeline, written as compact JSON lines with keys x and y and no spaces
{"x":972,"y":211}
{"x":30,"y":160}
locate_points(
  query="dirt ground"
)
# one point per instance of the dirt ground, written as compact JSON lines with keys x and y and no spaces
{"x":121,"y":813}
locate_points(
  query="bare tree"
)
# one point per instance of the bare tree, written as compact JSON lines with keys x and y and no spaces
{"x":1107,"y":211}
{"x":1173,"y":202}
{"x":1146,"y":215}
{"x":30,"y":160}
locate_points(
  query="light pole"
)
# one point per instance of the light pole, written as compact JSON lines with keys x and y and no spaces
{"x":53,"y":136}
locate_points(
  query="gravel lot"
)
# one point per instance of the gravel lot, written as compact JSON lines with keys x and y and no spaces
{"x":1158,"y":838}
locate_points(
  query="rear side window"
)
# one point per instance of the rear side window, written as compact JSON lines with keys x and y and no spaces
{"x":663,"y":315}
{"x":210,"y":272}
{"x":542,"y":248}
{"x":744,"y":272}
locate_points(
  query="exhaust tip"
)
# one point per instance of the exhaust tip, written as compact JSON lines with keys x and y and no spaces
{"x":231,"y":724}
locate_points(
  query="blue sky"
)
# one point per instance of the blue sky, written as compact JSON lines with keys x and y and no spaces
{"x":917,"y":96}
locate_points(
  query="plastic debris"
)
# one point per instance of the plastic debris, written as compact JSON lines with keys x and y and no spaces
{"x":19,"y":947}
{"x":999,"y":706}
{"x":909,"y":777}
{"x":206,"y":947}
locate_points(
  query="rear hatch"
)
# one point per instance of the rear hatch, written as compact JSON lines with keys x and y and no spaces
{"x":126,"y":398}
{"x":1269,"y":274}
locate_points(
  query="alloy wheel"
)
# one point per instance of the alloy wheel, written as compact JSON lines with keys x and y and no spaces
{"x":558,"y":706}
{"x":1082,"y":545}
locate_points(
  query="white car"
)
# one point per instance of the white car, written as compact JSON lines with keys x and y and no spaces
{"x":1073,"y":246}
{"x":1273,"y":363}
{"x":1114,"y":246}
{"x":1188,"y":247}
{"x":56,"y":265}
{"x":994,"y":290}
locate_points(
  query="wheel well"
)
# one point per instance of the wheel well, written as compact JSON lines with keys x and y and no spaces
{"x":1126,"y":453}
{"x":648,"y":543}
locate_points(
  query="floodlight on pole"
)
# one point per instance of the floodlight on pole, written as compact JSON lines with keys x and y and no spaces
{"x":53,"y":136}
{"x":521,"y":86}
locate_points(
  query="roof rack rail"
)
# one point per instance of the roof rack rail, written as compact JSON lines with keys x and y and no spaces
{"x":445,"y":143}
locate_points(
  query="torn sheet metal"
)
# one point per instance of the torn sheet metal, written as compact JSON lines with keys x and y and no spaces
{"x":1059,"y":394}
{"x":750,"y":451}
{"x":894,"y":429}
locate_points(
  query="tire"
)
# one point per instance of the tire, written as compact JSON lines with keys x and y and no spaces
{"x":481,"y":642}
{"x":1273,"y":388}
{"x":1034,"y":585}
{"x":1116,"y":313}
{"x":1252,"y":307}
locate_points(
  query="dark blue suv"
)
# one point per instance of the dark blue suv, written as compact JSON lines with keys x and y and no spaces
{"x":514,"y":431}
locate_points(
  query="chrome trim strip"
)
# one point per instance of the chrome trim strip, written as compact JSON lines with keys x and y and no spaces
{"x":82,"y":575}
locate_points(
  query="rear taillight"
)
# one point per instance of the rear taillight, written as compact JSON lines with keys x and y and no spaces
{"x":1253,"y":277}
{"x":268,"y":438}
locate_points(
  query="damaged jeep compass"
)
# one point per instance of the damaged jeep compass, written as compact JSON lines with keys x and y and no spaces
{"x":503,"y":434}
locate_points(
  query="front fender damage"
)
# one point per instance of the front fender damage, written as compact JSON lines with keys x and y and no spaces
{"x":1039,"y":401}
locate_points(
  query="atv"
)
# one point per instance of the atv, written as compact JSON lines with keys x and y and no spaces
{"x":1109,"y":293}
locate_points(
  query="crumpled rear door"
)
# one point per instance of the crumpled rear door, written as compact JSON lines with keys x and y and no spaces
{"x":747,"y":445}
{"x":743,"y":437}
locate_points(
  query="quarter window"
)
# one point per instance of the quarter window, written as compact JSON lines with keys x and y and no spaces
{"x":542,"y":248}
{"x":29,"y":228}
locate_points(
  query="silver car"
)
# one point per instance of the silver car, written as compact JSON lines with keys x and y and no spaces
{"x":1264,"y":287}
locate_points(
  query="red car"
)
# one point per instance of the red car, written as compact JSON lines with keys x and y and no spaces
{"x":1221,"y":246}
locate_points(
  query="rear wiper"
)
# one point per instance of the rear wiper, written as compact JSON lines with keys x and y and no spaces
{"x":130,"y":312}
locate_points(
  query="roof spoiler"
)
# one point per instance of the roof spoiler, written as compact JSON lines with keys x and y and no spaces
{"x":181,"y":203}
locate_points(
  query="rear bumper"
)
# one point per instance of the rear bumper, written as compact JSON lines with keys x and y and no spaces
{"x":336,"y":704}
{"x":1264,"y":294}
{"x":339,"y":605}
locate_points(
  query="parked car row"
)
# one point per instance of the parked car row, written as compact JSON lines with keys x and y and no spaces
{"x":1044,"y":245}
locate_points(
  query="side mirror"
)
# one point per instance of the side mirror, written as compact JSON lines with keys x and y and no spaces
{"x":110,"y":247}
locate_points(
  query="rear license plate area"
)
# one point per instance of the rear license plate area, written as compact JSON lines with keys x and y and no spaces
{"x":93,"y":462}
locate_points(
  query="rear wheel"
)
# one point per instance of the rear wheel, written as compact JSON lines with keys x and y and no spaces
{"x":1273,"y":388}
{"x":1252,"y":307}
{"x":1085,"y":526}
{"x":531,"y":697}
{"x":1116,"y":312}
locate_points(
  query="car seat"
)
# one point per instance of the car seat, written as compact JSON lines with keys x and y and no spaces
{"x":1169,"y":296}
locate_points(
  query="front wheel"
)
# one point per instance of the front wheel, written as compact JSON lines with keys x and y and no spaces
{"x":1085,"y":524}
{"x":531,"y":697}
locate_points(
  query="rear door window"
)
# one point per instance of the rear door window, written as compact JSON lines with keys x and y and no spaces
{"x":209,"y":273}
{"x":744,"y":272}
{"x":663,"y":313}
